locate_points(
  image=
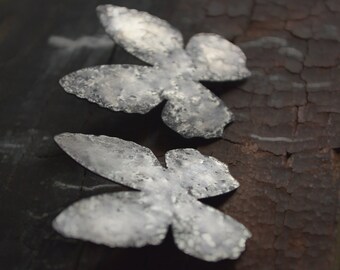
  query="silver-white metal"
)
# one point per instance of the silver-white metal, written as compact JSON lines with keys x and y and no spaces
{"x":191,"y":109}
{"x":166,"y":196}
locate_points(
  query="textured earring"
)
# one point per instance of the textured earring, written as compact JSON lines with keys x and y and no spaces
{"x":168,"y":196}
{"x":191,"y":109}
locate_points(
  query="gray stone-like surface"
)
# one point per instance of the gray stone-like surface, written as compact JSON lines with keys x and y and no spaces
{"x":135,"y":219}
{"x":192,"y":110}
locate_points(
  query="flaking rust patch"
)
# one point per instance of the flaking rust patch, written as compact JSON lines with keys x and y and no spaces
{"x":166,"y":196}
{"x":191,"y":109}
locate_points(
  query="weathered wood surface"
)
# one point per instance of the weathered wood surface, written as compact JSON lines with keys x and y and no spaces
{"x":283,"y":146}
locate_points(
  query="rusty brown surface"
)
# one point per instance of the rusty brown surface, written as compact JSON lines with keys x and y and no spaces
{"x":283,"y":146}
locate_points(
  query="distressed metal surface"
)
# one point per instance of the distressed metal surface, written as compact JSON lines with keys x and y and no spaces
{"x":134,"y":219}
{"x":191,"y":110}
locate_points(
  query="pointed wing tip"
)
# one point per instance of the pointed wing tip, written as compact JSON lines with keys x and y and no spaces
{"x":58,"y":225}
{"x":235,"y":184}
{"x":63,"y":81}
{"x":105,"y":11}
{"x":55,"y":224}
{"x":101,"y":8}
{"x":68,"y":82}
{"x":58,"y":138}
{"x":246,"y":73}
{"x":61,"y":138}
{"x":102,"y":13}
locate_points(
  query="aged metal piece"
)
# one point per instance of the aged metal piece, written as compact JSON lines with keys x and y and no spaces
{"x":167,"y":196}
{"x":191,"y":109}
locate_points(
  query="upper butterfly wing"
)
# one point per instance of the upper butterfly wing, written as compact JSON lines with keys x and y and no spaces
{"x":206,"y":233}
{"x":121,"y":161}
{"x":200,"y":175}
{"x":122,"y":219}
{"x":194,"y":111}
{"x":216,"y":59}
{"x":141,"y":34}
{"x":129,"y":88}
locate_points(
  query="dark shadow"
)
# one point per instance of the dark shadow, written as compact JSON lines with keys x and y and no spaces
{"x":220,"y":88}
{"x":166,"y":256}
{"x":148,"y":130}
{"x":219,"y":200}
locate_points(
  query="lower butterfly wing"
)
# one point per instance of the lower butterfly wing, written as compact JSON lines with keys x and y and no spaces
{"x":206,"y":233}
{"x":128,"y":88}
{"x":194,"y":111}
{"x":122,"y":219}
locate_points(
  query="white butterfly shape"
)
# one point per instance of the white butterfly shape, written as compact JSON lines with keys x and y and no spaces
{"x":167,"y":196}
{"x":191,"y":109}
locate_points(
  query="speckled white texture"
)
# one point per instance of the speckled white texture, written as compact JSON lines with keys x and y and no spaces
{"x":191,"y":109}
{"x":133,"y":89}
{"x":167,"y":197}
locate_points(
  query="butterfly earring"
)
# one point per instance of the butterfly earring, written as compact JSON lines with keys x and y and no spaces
{"x":167,"y":196}
{"x":191,"y":109}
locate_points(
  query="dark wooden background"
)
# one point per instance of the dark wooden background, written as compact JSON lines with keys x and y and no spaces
{"x":284,"y":146}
